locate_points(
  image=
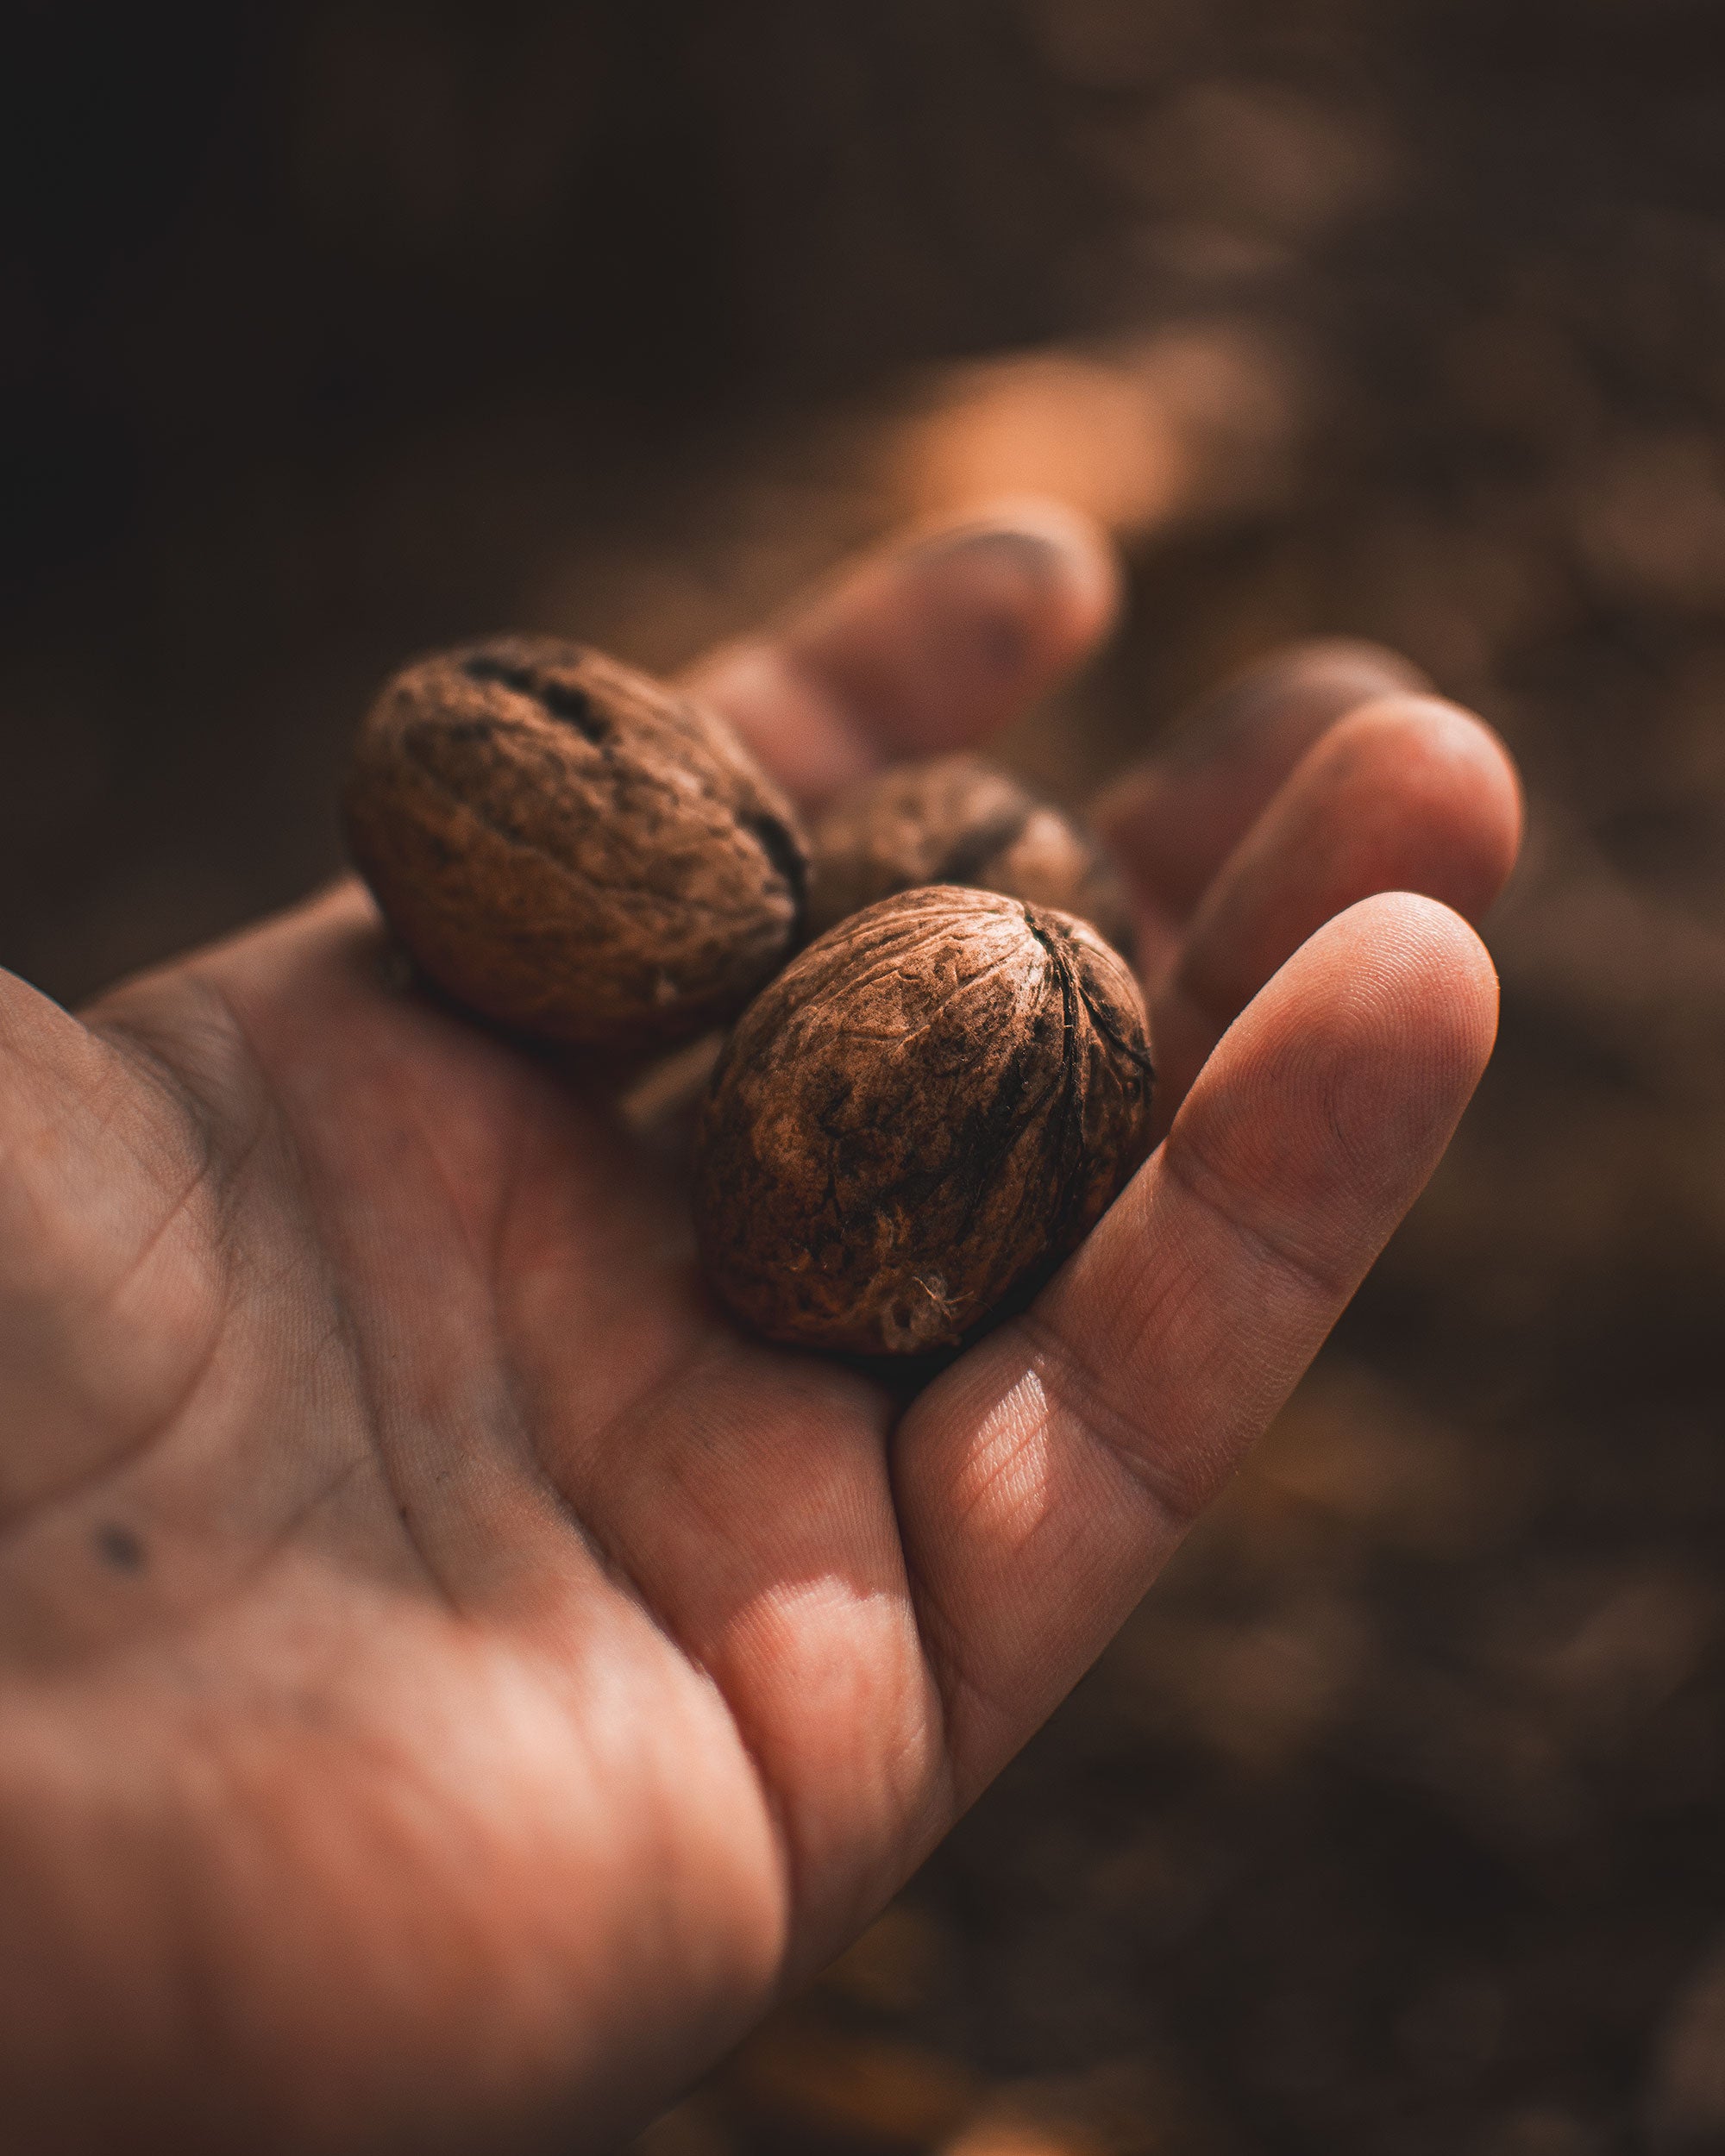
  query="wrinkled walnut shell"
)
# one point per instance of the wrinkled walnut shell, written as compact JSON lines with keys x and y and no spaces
{"x":960,"y":819}
{"x":570,"y":847}
{"x":926,"y":1111}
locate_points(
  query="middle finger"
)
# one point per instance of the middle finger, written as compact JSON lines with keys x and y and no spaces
{"x":1407,"y":793}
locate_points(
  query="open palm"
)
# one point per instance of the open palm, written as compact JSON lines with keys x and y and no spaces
{"x":450,"y":1680}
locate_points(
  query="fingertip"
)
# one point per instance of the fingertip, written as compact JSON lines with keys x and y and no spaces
{"x":985,"y":614}
{"x":1343,"y":667}
{"x":1437,"y":974}
{"x":1173,"y":818}
{"x":1457,"y":792}
{"x":1351,"y":1067}
{"x":1401,"y":997}
{"x":931,"y":644}
{"x":1275,"y":706}
{"x":1074,"y":576}
{"x":1405,"y":793}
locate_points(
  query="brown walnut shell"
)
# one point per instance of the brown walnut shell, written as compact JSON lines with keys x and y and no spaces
{"x":571,"y":848}
{"x":960,"y":819}
{"x":926,"y":1111}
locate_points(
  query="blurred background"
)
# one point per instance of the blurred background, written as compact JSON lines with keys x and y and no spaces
{"x":1393,"y":1823}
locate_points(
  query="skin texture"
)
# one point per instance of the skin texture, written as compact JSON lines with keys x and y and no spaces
{"x":960,"y":819}
{"x":923,"y":1113}
{"x":424,"y":1722}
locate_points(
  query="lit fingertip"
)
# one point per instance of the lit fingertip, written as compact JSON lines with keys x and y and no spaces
{"x":1049,"y":572}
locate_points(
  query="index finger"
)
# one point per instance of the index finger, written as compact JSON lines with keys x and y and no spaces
{"x":931,"y":644}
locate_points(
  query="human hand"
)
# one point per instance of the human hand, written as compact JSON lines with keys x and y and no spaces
{"x":450,"y":1680}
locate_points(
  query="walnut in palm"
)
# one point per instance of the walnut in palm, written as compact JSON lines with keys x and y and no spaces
{"x":961,"y":819}
{"x":570,"y":847}
{"x":923,"y":1113}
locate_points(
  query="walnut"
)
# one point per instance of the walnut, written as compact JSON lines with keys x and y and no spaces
{"x":923,"y":1113}
{"x":570,"y":847}
{"x":960,"y":819}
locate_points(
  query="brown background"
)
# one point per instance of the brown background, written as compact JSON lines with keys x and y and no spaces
{"x":1393,"y":1822}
